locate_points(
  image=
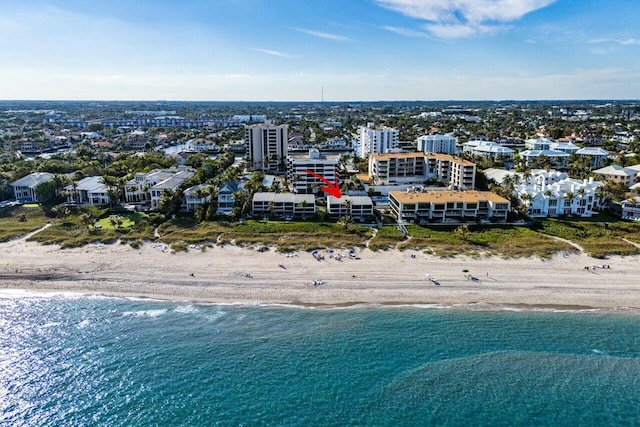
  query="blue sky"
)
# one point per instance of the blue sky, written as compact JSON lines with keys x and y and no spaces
{"x":288,"y":50}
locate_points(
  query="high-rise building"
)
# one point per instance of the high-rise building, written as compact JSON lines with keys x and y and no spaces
{"x":266,"y":146}
{"x":445,"y":144}
{"x":378,"y":140}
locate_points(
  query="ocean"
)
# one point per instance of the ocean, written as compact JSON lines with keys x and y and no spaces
{"x":74,"y":360}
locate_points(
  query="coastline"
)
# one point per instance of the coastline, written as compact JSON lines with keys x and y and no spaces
{"x":234,"y":275}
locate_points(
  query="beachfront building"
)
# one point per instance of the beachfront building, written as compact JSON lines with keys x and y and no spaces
{"x":421,"y":207}
{"x":226,"y":201}
{"x":197,"y":195}
{"x":24,"y":189}
{"x":324,"y":165}
{"x":544,"y":196}
{"x":596,"y":155}
{"x":283,"y":205}
{"x":90,"y":191}
{"x":378,"y":140}
{"x":148,"y":187}
{"x":445,"y":144}
{"x":488,"y":149}
{"x":630,"y":208}
{"x":618,"y":174}
{"x":266,"y":146}
{"x":406,"y":168}
{"x":353,"y":206}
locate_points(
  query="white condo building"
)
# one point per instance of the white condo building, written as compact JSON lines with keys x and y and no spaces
{"x":564,"y":197}
{"x":325,"y":165}
{"x":266,"y":146}
{"x":445,"y":144}
{"x":377,"y":140}
{"x":488,"y":149}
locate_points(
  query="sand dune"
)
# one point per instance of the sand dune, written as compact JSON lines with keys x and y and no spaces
{"x":232,"y":274}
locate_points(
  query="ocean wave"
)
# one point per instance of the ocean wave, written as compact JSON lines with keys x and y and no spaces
{"x":145,"y":313}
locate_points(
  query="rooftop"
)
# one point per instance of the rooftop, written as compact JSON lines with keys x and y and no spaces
{"x":443,"y":196}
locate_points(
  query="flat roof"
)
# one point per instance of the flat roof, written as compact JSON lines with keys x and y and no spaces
{"x":443,"y":196}
{"x":418,"y":154}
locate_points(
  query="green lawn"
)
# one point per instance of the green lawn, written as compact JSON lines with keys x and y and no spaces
{"x":129,"y":220}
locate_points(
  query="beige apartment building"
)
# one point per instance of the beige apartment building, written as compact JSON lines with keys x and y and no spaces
{"x":417,"y":207}
{"x":404,"y":168}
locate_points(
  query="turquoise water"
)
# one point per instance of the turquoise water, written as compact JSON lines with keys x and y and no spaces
{"x":70,"y":361}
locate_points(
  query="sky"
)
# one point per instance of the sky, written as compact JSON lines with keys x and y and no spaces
{"x":312,"y":50}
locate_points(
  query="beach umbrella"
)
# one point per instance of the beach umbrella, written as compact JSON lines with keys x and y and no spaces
{"x":427,"y":276}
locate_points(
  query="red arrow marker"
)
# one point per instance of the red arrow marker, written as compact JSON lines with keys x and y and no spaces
{"x":331,"y":188}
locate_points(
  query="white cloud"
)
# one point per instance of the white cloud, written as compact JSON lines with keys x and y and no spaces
{"x":404,"y":31}
{"x":327,"y":36}
{"x":624,"y":42}
{"x":464,"y":18}
{"x":272,"y":52}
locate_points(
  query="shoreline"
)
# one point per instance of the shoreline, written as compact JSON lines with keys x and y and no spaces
{"x":234,"y":275}
{"x":8,"y":292}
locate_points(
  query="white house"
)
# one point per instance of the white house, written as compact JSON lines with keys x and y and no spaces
{"x":488,"y":149}
{"x":226,"y":202}
{"x":545,"y":197}
{"x":354,"y":206}
{"x":24,"y":189}
{"x":564,"y":146}
{"x":556,"y":158}
{"x":596,"y":154}
{"x":445,"y":144}
{"x":195,"y":196}
{"x":88,"y":191}
{"x":148,"y":187}
{"x":538,"y":144}
{"x":283,"y":204}
{"x":631,"y":208}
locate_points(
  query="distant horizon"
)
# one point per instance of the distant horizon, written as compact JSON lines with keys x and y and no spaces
{"x":160,"y":101}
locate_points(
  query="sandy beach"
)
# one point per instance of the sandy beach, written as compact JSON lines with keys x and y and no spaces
{"x":237,"y":275}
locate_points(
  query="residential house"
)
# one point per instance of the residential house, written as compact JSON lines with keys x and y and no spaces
{"x":554,"y":157}
{"x":90,"y":191}
{"x":324,"y":165}
{"x":421,"y":207}
{"x":353,"y":206}
{"x":538,"y":144}
{"x":283,"y":204}
{"x":564,"y":146}
{"x":630,"y":208}
{"x":226,"y":201}
{"x":147,"y":188}
{"x":195,"y":196}
{"x":24,"y":189}
{"x":618,"y":174}
{"x":597,"y":155}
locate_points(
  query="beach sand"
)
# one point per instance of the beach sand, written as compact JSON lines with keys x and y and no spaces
{"x":236,"y":275}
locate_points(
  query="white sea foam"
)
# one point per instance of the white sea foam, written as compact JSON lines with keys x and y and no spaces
{"x":145,"y":313}
{"x":84,"y":324}
{"x":186,"y":309}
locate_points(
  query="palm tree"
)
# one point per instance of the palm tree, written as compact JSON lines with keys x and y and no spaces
{"x":346,"y":221}
{"x":346,"y":204}
{"x":463,"y":231}
{"x":87,"y":220}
